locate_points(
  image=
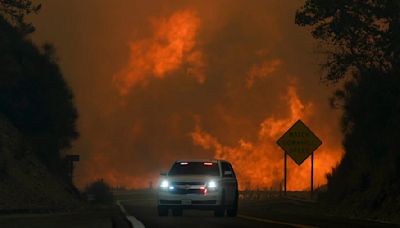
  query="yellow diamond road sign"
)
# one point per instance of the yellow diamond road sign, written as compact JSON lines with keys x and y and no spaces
{"x":299,"y":142}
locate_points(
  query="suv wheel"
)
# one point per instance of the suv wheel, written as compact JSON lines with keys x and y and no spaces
{"x":177,"y":212}
{"x":220,"y":211}
{"x":162,"y":211}
{"x":232,"y":212}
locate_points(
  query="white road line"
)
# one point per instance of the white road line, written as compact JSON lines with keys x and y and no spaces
{"x":135,"y":223}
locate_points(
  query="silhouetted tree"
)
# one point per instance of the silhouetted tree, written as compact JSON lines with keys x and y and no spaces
{"x":358,"y":34}
{"x":362,"y":43}
{"x":33,"y":93}
{"x":15,"y":11}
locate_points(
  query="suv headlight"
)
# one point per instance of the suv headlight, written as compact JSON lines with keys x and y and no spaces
{"x":164,"y":184}
{"x":212,"y":185}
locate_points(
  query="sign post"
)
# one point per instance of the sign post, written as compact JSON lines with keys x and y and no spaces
{"x":284,"y":171}
{"x":299,"y":142}
{"x":312,"y":173}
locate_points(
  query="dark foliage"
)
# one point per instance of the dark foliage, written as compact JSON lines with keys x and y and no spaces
{"x":358,"y":34}
{"x":100,"y":192}
{"x":362,"y":39}
{"x":15,"y":11}
{"x":34,"y":96}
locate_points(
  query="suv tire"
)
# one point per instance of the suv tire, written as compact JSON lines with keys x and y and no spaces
{"x":220,"y":211}
{"x":232,"y":212}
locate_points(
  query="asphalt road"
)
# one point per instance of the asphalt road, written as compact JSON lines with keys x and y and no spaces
{"x":145,"y":211}
{"x":273,"y":213}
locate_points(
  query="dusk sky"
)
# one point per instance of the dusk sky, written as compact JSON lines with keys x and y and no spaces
{"x":156,"y":81}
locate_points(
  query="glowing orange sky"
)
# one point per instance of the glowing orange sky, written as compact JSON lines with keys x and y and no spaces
{"x":160,"y":81}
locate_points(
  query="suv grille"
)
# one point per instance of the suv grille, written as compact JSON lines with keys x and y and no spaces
{"x":187,"y":191}
{"x":188,"y":183}
{"x":187,"y":187}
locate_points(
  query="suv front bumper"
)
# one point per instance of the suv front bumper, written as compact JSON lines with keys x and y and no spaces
{"x":190,"y":201}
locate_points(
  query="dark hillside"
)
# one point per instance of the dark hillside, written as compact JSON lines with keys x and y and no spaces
{"x":361,"y":41}
{"x":25,"y":183}
{"x":366,"y":181}
{"x":37,"y":117}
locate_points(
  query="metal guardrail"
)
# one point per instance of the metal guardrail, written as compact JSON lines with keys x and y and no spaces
{"x":259,"y":195}
{"x":273,"y":194}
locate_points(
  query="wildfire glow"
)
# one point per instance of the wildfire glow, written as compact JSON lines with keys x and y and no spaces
{"x":212,"y":64}
{"x":260,"y":164}
{"x":172,"y":45}
{"x":262,"y":70}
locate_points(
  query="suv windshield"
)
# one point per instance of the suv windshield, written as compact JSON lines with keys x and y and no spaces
{"x":194,"y":168}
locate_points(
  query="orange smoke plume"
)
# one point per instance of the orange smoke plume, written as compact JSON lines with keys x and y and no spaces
{"x":172,"y":45}
{"x":262,"y":70}
{"x":260,"y":164}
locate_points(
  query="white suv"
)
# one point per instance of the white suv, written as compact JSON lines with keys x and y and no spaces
{"x":199,"y":184}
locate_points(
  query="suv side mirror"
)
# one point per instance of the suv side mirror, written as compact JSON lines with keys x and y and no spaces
{"x":227,"y":173}
{"x":163,"y":174}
